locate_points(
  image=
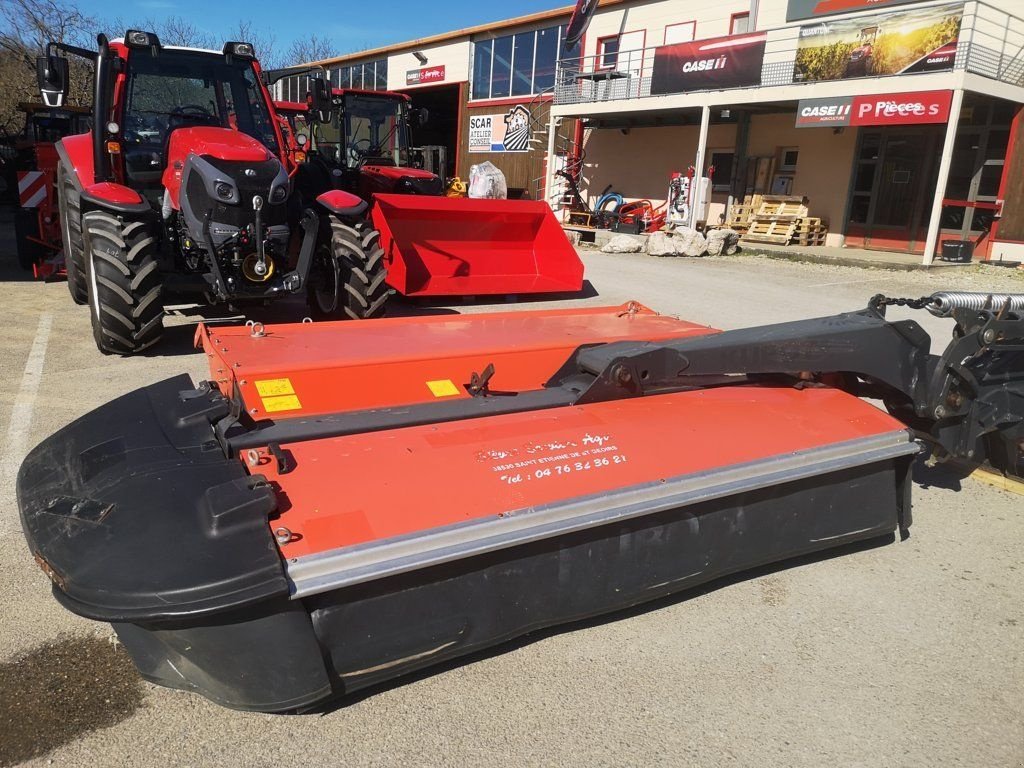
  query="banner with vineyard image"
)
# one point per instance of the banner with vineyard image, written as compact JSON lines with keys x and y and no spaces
{"x":918,"y":40}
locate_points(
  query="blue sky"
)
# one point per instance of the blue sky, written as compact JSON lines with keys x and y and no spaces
{"x":389,"y":21}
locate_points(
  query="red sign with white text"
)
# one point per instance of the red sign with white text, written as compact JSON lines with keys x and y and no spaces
{"x":914,"y":108}
{"x":425,"y":75}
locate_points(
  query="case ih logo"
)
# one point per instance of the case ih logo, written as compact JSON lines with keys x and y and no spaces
{"x":719,"y":62}
{"x":425,"y":75}
{"x":889,"y":109}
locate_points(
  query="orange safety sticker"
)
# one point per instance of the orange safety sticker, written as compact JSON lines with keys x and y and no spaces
{"x":281,"y":403}
{"x":275,"y":387}
{"x":443,"y":388}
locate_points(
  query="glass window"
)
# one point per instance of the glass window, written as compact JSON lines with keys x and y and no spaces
{"x":501,"y":70}
{"x":336,"y":78}
{"x":740,"y":24}
{"x":382,"y":75}
{"x":608,"y":49}
{"x":859,"y":205}
{"x":722,"y":163}
{"x":522,"y":64}
{"x":546,"y":58}
{"x":369,"y":78}
{"x":482,"y":69}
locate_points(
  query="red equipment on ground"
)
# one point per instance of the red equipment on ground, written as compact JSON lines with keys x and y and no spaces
{"x":433,"y":245}
{"x":36,"y":222}
{"x":345,"y":503}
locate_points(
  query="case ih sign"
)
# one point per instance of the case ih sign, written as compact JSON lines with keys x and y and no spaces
{"x":916,"y":108}
{"x":425,"y":76}
{"x":720,"y":62}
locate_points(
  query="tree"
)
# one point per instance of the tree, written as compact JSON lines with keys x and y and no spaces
{"x":309,"y":49}
{"x":26,"y":26}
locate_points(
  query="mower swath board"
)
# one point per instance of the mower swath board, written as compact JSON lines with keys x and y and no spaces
{"x":439,"y":246}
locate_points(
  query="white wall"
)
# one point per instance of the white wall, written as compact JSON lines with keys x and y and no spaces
{"x":454,"y":56}
{"x":712,"y":17}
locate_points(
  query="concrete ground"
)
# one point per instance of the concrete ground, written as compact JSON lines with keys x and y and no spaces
{"x":904,"y":655}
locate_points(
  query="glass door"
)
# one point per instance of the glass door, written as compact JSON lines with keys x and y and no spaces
{"x":890,"y":182}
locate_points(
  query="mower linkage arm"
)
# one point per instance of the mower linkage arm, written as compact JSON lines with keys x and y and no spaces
{"x":975,"y":388}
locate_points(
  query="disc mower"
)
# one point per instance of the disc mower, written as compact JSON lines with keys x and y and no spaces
{"x":183,"y":184}
{"x":340,"y":504}
{"x":431,"y":244}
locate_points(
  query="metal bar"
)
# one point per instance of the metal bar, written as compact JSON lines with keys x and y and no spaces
{"x":945,"y":162}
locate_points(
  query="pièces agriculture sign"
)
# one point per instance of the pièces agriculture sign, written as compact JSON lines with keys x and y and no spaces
{"x":913,"y":40}
{"x":719,"y":62}
{"x":425,"y":75}
{"x":508,"y":132}
{"x":915,"y":108}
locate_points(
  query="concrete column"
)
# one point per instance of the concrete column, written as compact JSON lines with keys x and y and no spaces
{"x":549,"y":163}
{"x":702,"y":147}
{"x":945,"y":161}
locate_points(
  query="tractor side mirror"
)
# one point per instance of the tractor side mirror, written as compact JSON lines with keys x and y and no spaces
{"x":420,"y":116}
{"x":301,"y":139}
{"x":52,"y":74}
{"x":322,"y":101}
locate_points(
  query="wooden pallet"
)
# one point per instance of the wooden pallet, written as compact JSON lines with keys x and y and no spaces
{"x":782,"y":220}
{"x":775,"y":232}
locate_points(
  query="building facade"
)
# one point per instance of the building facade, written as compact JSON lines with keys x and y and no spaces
{"x":897,"y":120}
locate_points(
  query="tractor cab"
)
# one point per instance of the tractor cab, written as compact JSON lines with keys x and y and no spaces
{"x":364,"y":147}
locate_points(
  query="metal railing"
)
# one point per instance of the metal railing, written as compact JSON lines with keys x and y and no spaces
{"x":990,"y":44}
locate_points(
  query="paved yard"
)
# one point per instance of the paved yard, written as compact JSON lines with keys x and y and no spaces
{"x":904,"y":655}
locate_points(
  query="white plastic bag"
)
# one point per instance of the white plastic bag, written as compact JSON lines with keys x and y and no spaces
{"x":486,"y":180}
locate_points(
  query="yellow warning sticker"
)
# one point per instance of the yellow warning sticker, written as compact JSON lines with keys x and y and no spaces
{"x":275,"y":387}
{"x":281,"y":403}
{"x":443,"y":388}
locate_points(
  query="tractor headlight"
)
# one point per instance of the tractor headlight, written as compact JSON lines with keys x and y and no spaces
{"x":224,"y":191}
{"x":278,"y":194}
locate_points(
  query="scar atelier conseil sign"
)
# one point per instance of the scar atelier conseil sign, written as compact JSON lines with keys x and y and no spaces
{"x":915,"y":108}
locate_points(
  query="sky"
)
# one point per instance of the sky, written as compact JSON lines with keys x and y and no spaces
{"x":348,"y":25}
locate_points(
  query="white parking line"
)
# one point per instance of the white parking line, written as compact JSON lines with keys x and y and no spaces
{"x":15,"y":446}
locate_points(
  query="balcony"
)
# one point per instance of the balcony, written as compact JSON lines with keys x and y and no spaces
{"x":990,"y":44}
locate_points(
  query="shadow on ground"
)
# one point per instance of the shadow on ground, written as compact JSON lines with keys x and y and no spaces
{"x":60,"y":691}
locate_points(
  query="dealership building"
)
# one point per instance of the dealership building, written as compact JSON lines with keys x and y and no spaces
{"x":897,"y":120}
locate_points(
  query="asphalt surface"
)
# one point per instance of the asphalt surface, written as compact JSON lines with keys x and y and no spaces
{"x":908,"y":654}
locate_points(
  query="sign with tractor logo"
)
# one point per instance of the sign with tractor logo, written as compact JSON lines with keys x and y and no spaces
{"x":914,"y":40}
{"x":508,"y":132}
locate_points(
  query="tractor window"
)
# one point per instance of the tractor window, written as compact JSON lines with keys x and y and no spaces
{"x":176,"y":89}
{"x":374,"y":130}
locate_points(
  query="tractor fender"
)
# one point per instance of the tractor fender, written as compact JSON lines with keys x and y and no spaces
{"x":75,"y":153}
{"x":342,"y":203}
{"x":114,"y":197}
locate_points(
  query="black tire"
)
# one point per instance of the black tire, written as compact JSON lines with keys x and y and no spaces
{"x":347,"y":275}
{"x":26,"y":227}
{"x":124,"y":283}
{"x":69,"y":209}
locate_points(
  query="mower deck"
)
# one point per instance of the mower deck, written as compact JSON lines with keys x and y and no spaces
{"x":334,"y":559}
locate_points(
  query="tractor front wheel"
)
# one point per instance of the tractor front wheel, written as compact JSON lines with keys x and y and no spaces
{"x":347,"y":274}
{"x":124,"y":283}
{"x":69,"y":210}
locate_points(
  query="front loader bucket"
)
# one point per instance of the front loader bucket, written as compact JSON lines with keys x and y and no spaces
{"x":442,"y":246}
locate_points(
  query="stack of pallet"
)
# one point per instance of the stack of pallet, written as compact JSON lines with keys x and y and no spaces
{"x":783,"y":220}
{"x":740,"y":214}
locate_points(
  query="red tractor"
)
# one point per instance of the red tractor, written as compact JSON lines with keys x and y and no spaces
{"x":184,"y":184}
{"x":431,"y":245}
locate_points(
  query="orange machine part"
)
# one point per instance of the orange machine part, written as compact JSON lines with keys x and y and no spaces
{"x":313,"y":368}
{"x":350,"y":490}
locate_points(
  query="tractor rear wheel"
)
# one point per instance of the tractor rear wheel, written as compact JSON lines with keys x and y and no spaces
{"x":69,"y":209}
{"x":347,"y":275}
{"x":124,"y":283}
